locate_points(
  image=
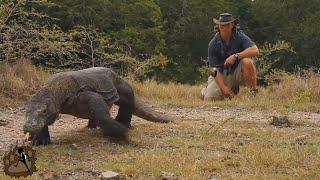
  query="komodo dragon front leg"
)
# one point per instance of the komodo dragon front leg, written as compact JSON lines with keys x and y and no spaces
{"x":40,"y":138}
{"x":92,"y":105}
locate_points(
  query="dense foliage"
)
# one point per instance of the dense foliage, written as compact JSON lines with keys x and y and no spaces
{"x":163,"y":39}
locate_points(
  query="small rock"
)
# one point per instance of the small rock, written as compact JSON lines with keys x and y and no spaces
{"x":3,"y":123}
{"x":74,"y":147}
{"x":212,"y":178}
{"x":110,"y":175}
{"x":281,"y":121}
{"x":92,"y":172}
{"x":301,"y":140}
{"x":168,"y":176}
{"x":55,"y":177}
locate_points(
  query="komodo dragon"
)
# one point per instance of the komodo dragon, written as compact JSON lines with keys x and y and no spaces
{"x":88,"y":94}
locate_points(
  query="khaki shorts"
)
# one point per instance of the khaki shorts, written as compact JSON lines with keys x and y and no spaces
{"x":213,"y":91}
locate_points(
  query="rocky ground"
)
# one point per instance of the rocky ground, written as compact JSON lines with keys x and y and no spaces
{"x":11,"y":121}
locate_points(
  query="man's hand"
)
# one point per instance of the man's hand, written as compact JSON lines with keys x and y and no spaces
{"x":226,"y":91}
{"x":230,"y":60}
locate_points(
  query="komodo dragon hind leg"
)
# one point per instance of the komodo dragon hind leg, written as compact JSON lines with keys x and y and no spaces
{"x":99,"y":115}
{"x":125,"y":103}
{"x":124,"y":115}
{"x":92,"y":123}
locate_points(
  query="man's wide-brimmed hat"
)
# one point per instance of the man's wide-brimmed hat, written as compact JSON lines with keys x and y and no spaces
{"x":225,"y":18}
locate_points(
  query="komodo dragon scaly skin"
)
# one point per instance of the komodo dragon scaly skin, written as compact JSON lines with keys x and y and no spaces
{"x":88,"y":94}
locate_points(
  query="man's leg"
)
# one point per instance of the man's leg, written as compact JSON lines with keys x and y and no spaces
{"x":212,"y":91}
{"x":249,"y":73}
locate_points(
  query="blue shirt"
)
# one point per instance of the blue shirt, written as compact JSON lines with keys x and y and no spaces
{"x":219,"y":51}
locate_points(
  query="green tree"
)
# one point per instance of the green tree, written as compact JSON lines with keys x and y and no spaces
{"x":189,"y":28}
{"x":134,"y":24}
{"x":25,"y":33}
{"x":294,"y":21}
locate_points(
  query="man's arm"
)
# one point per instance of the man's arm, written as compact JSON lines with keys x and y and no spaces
{"x":250,"y":48}
{"x":224,"y":89}
{"x":219,"y":80}
{"x":249,"y":52}
{"x":213,"y":63}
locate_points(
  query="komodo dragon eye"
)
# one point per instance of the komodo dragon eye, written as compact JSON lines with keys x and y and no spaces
{"x":42,"y":111}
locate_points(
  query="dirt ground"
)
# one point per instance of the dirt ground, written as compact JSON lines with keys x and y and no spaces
{"x":11,"y":122}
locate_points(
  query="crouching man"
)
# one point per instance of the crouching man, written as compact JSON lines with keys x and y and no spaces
{"x":230,"y":56}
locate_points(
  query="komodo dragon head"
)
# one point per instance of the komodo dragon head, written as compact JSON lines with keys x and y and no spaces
{"x":40,"y":112}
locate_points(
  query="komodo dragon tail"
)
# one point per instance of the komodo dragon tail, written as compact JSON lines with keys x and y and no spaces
{"x":144,"y":111}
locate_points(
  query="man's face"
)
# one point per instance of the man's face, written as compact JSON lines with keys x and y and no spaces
{"x":227,"y":28}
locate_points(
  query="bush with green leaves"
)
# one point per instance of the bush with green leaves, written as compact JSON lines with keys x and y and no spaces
{"x":271,"y":55}
{"x":28,"y":33}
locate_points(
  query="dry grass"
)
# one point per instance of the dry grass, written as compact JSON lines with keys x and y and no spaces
{"x":18,"y":82}
{"x":294,"y":92}
{"x":170,"y":93}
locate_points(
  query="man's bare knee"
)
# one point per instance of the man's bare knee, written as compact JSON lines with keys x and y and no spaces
{"x":248,"y":72}
{"x":248,"y":66}
{"x":247,"y":62}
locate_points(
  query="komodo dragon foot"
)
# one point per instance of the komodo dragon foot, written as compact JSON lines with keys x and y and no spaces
{"x":40,"y":138}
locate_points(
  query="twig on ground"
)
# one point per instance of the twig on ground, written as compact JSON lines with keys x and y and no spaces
{"x":217,"y":127}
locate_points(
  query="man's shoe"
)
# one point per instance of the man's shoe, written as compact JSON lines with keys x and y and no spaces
{"x":254,"y":92}
{"x":235,"y":90}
